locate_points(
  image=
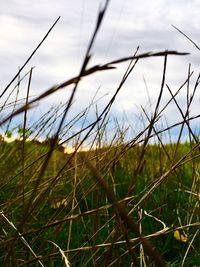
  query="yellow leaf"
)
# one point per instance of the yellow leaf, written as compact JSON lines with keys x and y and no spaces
{"x":180,"y":235}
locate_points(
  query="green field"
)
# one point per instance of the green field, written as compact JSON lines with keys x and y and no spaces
{"x":73,"y":208}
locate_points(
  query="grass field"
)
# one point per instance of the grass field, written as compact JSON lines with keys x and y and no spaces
{"x":115,"y":204}
{"x":72,"y":207}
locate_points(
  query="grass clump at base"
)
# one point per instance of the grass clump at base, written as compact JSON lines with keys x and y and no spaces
{"x":112,"y":205}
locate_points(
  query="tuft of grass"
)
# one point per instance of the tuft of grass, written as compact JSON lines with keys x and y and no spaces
{"x":112,"y":205}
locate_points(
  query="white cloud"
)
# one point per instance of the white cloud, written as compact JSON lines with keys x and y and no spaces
{"x":127,"y":24}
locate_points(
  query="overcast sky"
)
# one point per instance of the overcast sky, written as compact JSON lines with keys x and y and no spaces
{"x":127,"y":24}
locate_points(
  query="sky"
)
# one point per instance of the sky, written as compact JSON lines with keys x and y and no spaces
{"x":127,"y":25}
